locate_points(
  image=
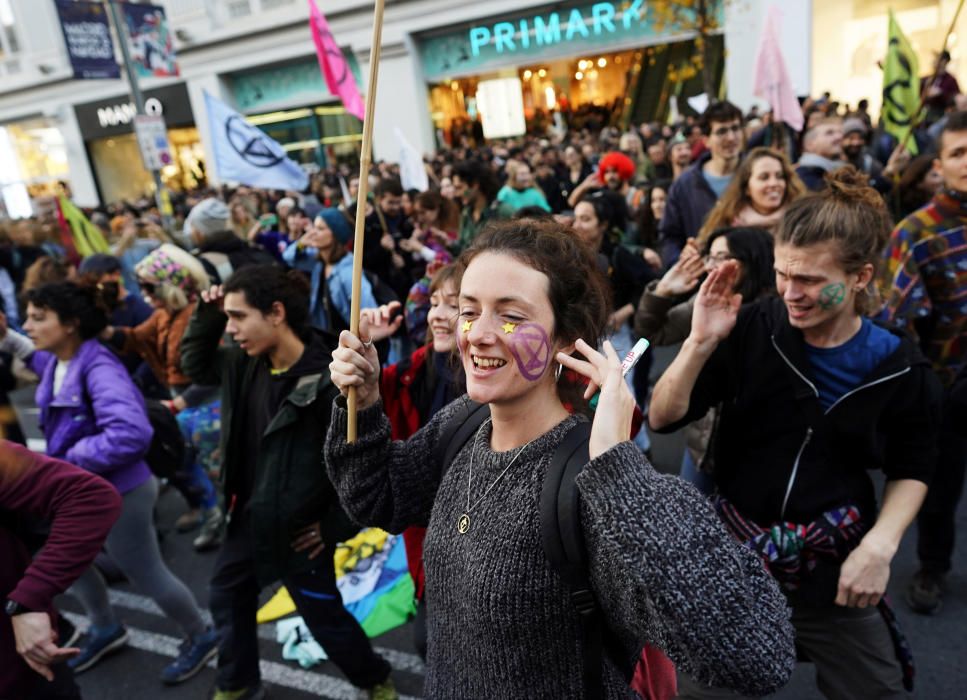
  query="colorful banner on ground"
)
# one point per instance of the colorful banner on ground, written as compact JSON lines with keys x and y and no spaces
{"x":247,"y":155}
{"x":374,"y":584}
{"x":901,"y":87}
{"x":332,"y":63}
{"x":152,"y":48}
{"x":78,"y":233}
{"x":771,"y":81}
{"x":88,"y":38}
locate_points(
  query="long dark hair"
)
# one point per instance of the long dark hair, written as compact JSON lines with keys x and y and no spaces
{"x":753,"y":247}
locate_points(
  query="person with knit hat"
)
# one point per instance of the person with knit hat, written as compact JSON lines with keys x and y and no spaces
{"x":171,"y":280}
{"x":220,"y":251}
{"x":323,"y":252}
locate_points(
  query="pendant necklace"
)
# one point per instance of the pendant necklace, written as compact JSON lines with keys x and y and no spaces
{"x":463,"y":522}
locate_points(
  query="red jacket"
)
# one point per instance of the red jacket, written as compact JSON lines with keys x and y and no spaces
{"x":80,"y":507}
{"x":396,"y":389}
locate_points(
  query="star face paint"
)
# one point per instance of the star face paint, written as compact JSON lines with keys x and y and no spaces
{"x":467,"y":325}
{"x":831,"y":296}
{"x":531,"y":349}
{"x":509,"y":327}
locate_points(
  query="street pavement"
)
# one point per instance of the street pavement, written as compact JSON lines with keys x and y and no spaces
{"x":939,"y":643}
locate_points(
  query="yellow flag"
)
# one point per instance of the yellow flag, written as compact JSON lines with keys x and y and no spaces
{"x":88,"y":238}
{"x":901,"y":86}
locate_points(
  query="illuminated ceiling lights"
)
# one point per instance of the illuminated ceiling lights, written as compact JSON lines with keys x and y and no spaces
{"x":602,"y":62}
{"x":528,"y":74}
{"x":541,"y":73}
{"x":579,"y":75}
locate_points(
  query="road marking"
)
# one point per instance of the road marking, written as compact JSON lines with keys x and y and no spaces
{"x":399,"y":660}
{"x":272,"y":672}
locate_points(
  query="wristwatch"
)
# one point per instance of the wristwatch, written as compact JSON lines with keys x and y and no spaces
{"x":12,"y":608}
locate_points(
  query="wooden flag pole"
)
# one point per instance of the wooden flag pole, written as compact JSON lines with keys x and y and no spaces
{"x":365,"y":158}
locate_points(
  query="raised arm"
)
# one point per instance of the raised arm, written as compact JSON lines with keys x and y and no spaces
{"x":713,"y":318}
{"x":202,"y":356}
{"x":389,"y":484}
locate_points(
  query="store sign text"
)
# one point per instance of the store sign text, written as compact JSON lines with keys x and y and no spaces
{"x":549,"y":30}
{"x":112,"y":115}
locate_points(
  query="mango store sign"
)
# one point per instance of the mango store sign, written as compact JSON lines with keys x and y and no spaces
{"x":585,"y":28}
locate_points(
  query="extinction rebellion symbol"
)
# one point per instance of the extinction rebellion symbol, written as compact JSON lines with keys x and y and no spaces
{"x":254,"y":147}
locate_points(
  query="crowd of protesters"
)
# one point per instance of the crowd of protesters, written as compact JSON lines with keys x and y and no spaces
{"x":816,"y":282}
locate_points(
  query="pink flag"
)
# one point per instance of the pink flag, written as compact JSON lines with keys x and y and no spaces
{"x":335,"y":69}
{"x":771,"y":79}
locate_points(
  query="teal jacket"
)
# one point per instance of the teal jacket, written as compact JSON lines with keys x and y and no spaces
{"x":291,"y":489}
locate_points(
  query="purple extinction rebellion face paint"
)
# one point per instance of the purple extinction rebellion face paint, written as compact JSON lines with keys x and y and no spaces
{"x":531,"y":349}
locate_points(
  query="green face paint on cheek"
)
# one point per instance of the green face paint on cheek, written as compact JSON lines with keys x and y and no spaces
{"x":832,"y":295}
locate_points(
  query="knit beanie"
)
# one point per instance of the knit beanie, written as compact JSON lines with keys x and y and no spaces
{"x":162,"y":267}
{"x":207,"y":217}
{"x":337,"y":223}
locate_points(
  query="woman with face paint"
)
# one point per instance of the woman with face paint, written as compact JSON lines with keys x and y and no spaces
{"x":813,"y":396}
{"x":500,"y":620}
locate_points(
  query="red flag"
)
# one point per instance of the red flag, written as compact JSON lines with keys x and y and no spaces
{"x":339,"y":79}
{"x":771,"y":78}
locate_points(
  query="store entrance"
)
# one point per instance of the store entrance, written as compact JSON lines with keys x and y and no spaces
{"x":586,"y":91}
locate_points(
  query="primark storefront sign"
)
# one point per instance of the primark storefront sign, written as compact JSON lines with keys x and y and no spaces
{"x":557,"y":31}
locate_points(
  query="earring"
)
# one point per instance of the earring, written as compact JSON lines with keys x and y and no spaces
{"x":557,"y":372}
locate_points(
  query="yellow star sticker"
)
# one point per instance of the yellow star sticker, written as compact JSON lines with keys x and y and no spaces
{"x":509,"y":327}
{"x":467,"y":325}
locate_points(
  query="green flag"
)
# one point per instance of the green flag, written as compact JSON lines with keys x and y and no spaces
{"x":88,"y":239}
{"x":901,"y":86}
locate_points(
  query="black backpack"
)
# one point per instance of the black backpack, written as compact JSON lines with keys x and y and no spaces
{"x":561,"y":533}
{"x":166,"y":454}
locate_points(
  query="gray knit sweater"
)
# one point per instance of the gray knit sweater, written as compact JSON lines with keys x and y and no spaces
{"x":500,"y":624}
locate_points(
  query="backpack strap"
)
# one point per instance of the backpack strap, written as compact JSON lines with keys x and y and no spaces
{"x":563,"y":539}
{"x":469,"y":417}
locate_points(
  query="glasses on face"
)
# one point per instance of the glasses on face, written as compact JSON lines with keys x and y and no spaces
{"x":717,"y":259}
{"x":726,"y":130}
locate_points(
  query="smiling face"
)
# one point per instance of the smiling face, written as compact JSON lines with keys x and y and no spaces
{"x":256,"y":333}
{"x":505,"y":329}
{"x":658,"y":199}
{"x":442,"y":317}
{"x":817,"y":291}
{"x":767,"y":185}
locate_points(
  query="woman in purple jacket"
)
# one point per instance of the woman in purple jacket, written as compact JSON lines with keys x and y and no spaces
{"x":93,"y":416}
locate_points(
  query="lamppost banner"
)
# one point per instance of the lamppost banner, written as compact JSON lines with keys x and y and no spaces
{"x":151,"y":43}
{"x":88,"y":39}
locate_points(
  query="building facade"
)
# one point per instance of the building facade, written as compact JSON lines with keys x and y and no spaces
{"x":438,"y":56}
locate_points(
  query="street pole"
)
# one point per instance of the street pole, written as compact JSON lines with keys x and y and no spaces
{"x":120,"y":27}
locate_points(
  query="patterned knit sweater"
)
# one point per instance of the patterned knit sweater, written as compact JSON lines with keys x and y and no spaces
{"x":924,"y":280}
{"x":500,"y":624}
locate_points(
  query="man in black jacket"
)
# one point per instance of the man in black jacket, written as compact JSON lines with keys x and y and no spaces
{"x":284,"y":519}
{"x":814,"y":395}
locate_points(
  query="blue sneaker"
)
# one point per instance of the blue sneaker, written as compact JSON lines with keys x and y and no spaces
{"x":98,"y":643}
{"x":192,"y":657}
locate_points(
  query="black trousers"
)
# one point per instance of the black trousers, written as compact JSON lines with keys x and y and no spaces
{"x":936,"y":523}
{"x":234,"y":603}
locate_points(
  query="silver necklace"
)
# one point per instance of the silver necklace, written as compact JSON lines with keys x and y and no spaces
{"x":463,"y":522}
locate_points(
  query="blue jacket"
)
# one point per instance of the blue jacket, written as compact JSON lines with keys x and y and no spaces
{"x":690,"y":199}
{"x":97,"y":420}
{"x":339,"y":284}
